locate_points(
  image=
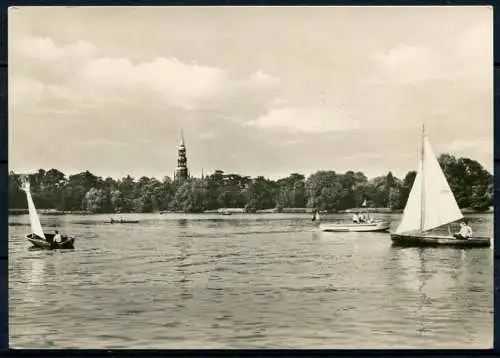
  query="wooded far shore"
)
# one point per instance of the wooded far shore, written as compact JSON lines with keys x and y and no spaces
{"x":325,"y":190}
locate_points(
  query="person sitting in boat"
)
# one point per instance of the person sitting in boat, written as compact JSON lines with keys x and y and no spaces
{"x":355,"y":218}
{"x":465,"y":231}
{"x":361,"y":218}
{"x":57,"y":238}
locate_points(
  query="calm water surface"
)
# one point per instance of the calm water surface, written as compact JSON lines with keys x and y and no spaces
{"x":244,"y":281}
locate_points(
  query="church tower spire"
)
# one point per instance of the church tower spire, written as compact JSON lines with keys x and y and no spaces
{"x":182,"y":172}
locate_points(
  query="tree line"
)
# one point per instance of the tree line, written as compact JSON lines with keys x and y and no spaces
{"x":328,"y":191}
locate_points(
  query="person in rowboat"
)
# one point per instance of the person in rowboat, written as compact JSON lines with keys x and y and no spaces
{"x":355,"y":218}
{"x":465,"y":232}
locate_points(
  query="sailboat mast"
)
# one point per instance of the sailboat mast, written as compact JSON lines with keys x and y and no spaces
{"x":422,"y":183}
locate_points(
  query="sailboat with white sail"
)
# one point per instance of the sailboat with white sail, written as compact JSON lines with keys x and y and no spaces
{"x":37,"y":236}
{"x":431,"y":205}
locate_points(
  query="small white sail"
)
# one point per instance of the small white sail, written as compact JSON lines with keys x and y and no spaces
{"x":36,"y":227}
{"x":431,"y":202}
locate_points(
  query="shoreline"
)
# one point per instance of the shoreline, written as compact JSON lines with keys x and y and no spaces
{"x":13,"y":212}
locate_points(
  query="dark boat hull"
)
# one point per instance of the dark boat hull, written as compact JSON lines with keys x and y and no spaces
{"x":438,"y":241}
{"x":124,"y":222}
{"x":66,"y":243}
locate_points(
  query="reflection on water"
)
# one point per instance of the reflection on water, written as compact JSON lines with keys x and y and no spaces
{"x":448,"y":288}
{"x":244,"y":281}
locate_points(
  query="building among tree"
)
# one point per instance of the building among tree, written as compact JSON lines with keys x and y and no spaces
{"x":182,"y":172}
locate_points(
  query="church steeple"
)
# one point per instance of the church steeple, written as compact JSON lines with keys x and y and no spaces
{"x":182,"y":172}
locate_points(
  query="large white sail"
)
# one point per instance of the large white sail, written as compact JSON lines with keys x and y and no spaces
{"x":431,"y":202}
{"x":440,"y":206}
{"x":36,"y":227}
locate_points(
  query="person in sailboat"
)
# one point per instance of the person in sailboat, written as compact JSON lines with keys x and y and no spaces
{"x":465,"y":232}
{"x":57,"y":238}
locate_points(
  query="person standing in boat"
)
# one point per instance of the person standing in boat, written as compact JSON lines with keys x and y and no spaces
{"x":465,"y":232}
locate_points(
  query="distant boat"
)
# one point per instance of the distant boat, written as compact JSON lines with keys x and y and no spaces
{"x":37,"y":237}
{"x":370,"y":225}
{"x":121,"y":221}
{"x":431,"y":204}
{"x":316,"y":216}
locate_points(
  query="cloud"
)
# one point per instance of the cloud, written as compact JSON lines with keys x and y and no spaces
{"x":262,"y":79}
{"x":25,"y":90}
{"x":408,"y":63}
{"x":466,"y":145}
{"x":75,"y":73}
{"x":473,"y":53}
{"x":100,"y":142}
{"x":169,"y":76}
{"x":465,"y":59}
{"x":207,"y":135}
{"x":305,"y":120}
{"x":177,"y":84}
{"x":45,"y":49}
{"x":289,"y":142}
{"x":476,"y":42}
{"x":403,"y":57}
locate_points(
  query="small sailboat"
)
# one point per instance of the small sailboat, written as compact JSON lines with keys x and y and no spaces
{"x":370,"y":225}
{"x":431,"y":205}
{"x":315,"y":215}
{"x":37,"y":237}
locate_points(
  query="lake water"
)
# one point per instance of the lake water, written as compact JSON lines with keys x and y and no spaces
{"x":244,"y":281}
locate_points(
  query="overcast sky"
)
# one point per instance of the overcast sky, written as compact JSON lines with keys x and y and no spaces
{"x":258,"y":91}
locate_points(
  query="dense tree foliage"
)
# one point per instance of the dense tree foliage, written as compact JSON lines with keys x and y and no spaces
{"x":470,"y":182}
{"x":324,"y":190}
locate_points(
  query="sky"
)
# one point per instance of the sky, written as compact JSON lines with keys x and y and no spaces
{"x":256,"y":90}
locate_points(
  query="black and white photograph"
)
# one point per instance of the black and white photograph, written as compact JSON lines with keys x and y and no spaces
{"x":250,"y":177}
